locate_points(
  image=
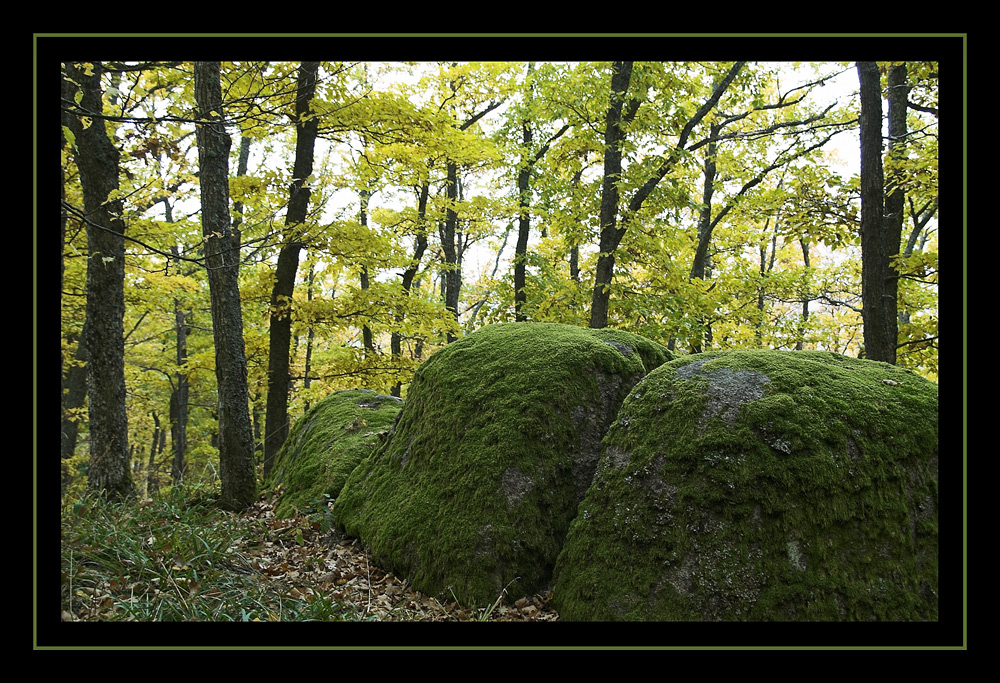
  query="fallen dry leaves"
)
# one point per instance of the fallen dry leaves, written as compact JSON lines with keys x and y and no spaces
{"x":306,"y":562}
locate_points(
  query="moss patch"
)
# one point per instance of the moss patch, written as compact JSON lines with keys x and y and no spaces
{"x":327,"y":443}
{"x":758,"y":486}
{"x":494,"y":449}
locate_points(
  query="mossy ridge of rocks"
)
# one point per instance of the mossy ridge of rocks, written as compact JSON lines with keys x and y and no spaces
{"x":327,"y":443}
{"x":495,"y":447}
{"x":651,"y":353}
{"x":758,"y":486}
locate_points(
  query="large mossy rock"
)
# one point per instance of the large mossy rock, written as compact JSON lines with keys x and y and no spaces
{"x":327,"y":443}
{"x":493,"y":451}
{"x":759,"y":486}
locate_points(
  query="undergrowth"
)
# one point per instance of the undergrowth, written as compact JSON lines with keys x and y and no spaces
{"x":179,"y":558}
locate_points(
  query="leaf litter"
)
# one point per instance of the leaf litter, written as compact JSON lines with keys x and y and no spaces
{"x":306,"y":561}
{"x":303,"y":558}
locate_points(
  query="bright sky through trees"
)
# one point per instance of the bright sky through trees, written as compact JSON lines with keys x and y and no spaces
{"x":769,"y":258}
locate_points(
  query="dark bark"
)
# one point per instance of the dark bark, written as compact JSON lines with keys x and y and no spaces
{"x":178,"y":428}
{"x":895,"y":200}
{"x":280,"y":336}
{"x":310,"y":336}
{"x":766,"y":266}
{"x":528,"y":161}
{"x":611,"y":234}
{"x":574,"y":250}
{"x":155,"y":448}
{"x":406,"y":280}
{"x":98,"y":165}
{"x":367,"y":340}
{"x":179,"y":398}
{"x":180,"y":386}
{"x":74,"y":396}
{"x":452,"y":276}
{"x":257,"y":421}
{"x":804,"y":320}
{"x":523,"y":216}
{"x":241,"y":170}
{"x":451,"y":281}
{"x":919,"y":217}
{"x":67,"y":95}
{"x":279,"y":344}
{"x":235,"y":436}
{"x":523,"y":226}
{"x":637,"y":200}
{"x":878,"y":282}
{"x":705,"y":223}
{"x":68,"y":427}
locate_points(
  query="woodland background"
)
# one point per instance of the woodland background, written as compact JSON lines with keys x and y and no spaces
{"x":240,"y":239}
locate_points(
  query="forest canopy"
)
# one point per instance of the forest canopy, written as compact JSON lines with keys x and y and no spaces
{"x":354,"y":217}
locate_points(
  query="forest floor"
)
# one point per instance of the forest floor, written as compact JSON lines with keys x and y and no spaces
{"x":184,"y":559}
{"x":304,"y":562}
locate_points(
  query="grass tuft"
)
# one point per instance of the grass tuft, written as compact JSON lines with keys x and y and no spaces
{"x":176,"y":559}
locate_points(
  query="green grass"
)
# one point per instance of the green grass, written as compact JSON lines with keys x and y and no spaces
{"x":176,"y":559}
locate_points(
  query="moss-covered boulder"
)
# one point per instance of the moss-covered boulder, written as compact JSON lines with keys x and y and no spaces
{"x":327,"y":443}
{"x":493,"y":451}
{"x":759,"y":486}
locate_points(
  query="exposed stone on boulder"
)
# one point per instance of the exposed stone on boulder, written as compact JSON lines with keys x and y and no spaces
{"x":327,"y":443}
{"x":759,"y":486}
{"x":493,"y":451}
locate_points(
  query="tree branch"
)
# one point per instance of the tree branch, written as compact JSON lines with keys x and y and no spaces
{"x":917,"y":341}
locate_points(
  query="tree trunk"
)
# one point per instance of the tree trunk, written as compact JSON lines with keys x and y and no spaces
{"x":804,"y":320}
{"x":98,"y":164}
{"x":179,"y":399}
{"x":451,"y":280}
{"x":895,"y":200}
{"x":878,"y":282}
{"x":523,"y":226}
{"x":452,"y":276}
{"x":178,"y":425}
{"x":611,"y":235}
{"x":766,"y":266}
{"x":155,"y":448}
{"x":74,"y":396}
{"x":74,"y":387}
{"x":699,"y":265}
{"x":180,"y":389}
{"x":406,"y":280}
{"x":705,"y":224}
{"x":574,"y":250}
{"x":242,"y":163}
{"x":236,"y":464}
{"x":280,"y":337}
{"x":310,"y":336}
{"x":367,"y":339}
{"x":523,"y":215}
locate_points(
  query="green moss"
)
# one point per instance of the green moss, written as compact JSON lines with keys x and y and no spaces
{"x":761,"y":485}
{"x":653,"y":355}
{"x":493,"y":451}
{"x":326,"y":444}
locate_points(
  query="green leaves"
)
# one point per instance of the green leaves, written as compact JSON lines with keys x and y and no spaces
{"x":390,"y":130}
